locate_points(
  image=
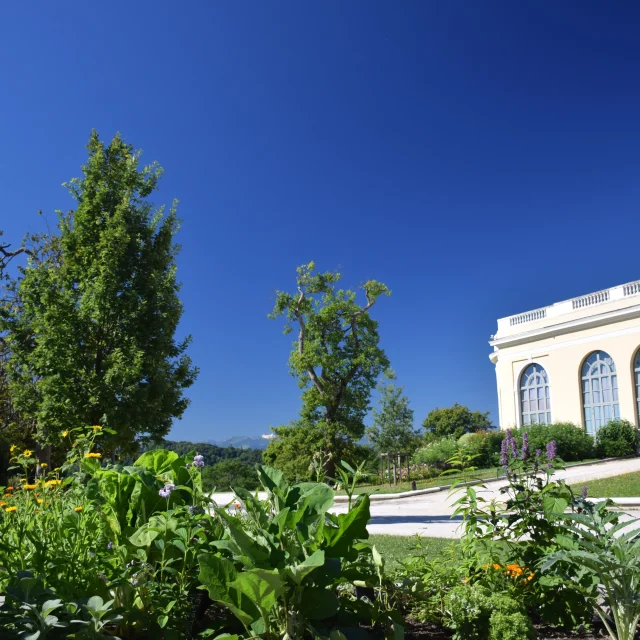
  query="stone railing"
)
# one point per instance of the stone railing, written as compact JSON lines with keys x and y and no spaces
{"x":568,"y":306}
{"x":591,"y":299}
{"x":631,"y":289}
{"x":538,"y":314}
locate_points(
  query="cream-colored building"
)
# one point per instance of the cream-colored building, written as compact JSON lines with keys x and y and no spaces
{"x":573,"y":361}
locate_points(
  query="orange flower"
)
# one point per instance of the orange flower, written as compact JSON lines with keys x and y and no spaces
{"x":3,"y":504}
{"x":9,"y":488}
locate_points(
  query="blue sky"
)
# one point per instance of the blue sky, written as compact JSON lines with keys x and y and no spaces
{"x":481,"y":159}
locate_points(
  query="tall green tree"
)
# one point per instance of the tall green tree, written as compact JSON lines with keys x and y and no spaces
{"x":92,"y":332}
{"x":336,"y":358}
{"x":392,"y":430}
{"x":454,"y":422}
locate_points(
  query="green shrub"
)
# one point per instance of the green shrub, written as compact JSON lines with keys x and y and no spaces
{"x":510,"y":626}
{"x":616,"y":438}
{"x":572,"y":442}
{"x":436,"y":453}
{"x":474,"y":613}
{"x":478,"y":445}
{"x":229,"y":474}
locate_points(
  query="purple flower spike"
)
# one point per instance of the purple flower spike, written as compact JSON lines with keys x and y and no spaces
{"x":525,"y":446}
{"x":198,"y":461}
{"x":552,"y":451}
{"x":504,"y":454}
{"x":110,"y":546}
{"x":165,"y":492}
{"x":585,"y":491}
{"x":538,"y":453}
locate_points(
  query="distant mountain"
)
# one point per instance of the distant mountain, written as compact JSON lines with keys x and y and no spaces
{"x":243,"y":442}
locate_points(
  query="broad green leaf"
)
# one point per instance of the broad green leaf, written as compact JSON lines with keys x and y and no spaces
{"x":271,"y":478}
{"x":351,"y":526}
{"x":553,"y":506}
{"x":215,"y":574}
{"x":318,"y":604}
{"x":260,"y":586}
{"x":157,"y":461}
{"x":300,"y":571}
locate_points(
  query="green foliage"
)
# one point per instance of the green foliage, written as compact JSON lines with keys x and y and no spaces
{"x":336,"y":358}
{"x":597,"y":543}
{"x":572,"y":442}
{"x":392,"y":430}
{"x":474,"y":613}
{"x":229,"y":474}
{"x":289,"y":559}
{"x":91,"y":332}
{"x":213,"y":453}
{"x":437,"y":452}
{"x":454,"y":422}
{"x":617,"y":438}
{"x":293,"y":450}
{"x":478,"y":446}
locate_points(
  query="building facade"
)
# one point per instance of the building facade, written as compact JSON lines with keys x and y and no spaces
{"x":574,"y":361}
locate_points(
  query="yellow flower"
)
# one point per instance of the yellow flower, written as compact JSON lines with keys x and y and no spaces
{"x":44,"y":465}
{"x":97,"y":428}
{"x":93,"y":455}
{"x":78,"y":509}
{"x":64,"y":434}
{"x":52,"y":483}
{"x":40,"y":500}
{"x":27,"y":453}
{"x":12,"y":448}
{"x":11,"y":509}
{"x":28,"y":487}
{"x":23,"y":480}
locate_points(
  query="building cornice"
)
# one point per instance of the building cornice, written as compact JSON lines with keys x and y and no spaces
{"x":561,"y":328}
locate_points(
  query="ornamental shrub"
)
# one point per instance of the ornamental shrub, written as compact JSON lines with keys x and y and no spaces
{"x":474,"y":613}
{"x":478,"y":445}
{"x":436,"y":453}
{"x":616,"y":438}
{"x":572,"y":442}
{"x":510,"y":626}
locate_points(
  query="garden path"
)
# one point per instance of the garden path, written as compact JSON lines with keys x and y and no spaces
{"x":430,"y":514}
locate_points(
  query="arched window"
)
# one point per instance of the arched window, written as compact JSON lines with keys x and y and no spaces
{"x":636,"y":372}
{"x":535,"y":405}
{"x":599,"y":391}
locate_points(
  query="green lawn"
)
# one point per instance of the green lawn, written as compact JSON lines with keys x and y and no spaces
{"x":626,"y":485}
{"x":444,"y":480}
{"x":397,"y":548}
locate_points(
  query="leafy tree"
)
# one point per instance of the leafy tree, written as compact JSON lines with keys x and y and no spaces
{"x":213,"y":453}
{"x":336,"y":359}
{"x":92,"y":332}
{"x":392,"y":429}
{"x":455,"y":421}
{"x":229,"y":474}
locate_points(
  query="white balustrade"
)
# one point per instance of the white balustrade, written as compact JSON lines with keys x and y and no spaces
{"x":632,"y":289}
{"x":591,"y":299}
{"x":539,"y":314}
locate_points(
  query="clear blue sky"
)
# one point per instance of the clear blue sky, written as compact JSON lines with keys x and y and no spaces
{"x":480,"y":158}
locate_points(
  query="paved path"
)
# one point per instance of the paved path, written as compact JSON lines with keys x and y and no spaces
{"x":430,"y":514}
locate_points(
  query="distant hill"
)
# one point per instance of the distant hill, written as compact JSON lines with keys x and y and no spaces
{"x":213,"y":453}
{"x":242,"y":442}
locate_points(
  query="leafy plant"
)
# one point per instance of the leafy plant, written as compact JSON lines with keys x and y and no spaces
{"x":348,"y":479}
{"x":617,"y":438}
{"x":286,"y":573}
{"x":599,"y":544}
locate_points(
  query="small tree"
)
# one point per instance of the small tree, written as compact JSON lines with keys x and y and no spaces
{"x":392,"y":429}
{"x":336,"y":359}
{"x":92,"y":331}
{"x":455,"y":421}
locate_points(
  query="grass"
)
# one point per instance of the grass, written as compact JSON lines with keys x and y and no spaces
{"x":626,"y":485}
{"x":397,"y":548}
{"x":440,"y":481}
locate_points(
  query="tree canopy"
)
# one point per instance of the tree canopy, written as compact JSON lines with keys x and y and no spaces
{"x":92,"y":331}
{"x":336,"y":357}
{"x":392,"y":430}
{"x":455,"y":421}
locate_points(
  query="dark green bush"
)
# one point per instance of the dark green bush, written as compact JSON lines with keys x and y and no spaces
{"x":616,"y":438}
{"x":229,"y":474}
{"x":572,"y":442}
{"x":478,"y":444}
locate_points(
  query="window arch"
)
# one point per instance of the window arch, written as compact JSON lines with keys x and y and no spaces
{"x":636,"y":375}
{"x":535,"y":402}
{"x":599,"y":391}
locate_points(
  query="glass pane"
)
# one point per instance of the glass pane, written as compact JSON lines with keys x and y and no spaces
{"x":525,"y":407}
{"x":540,"y":392}
{"x":596,"y":397}
{"x":606,"y":395}
{"x":534,"y":418}
{"x":548,"y":417}
{"x":595,"y":384}
{"x":614,"y":382}
{"x":548,"y":404}
{"x":541,"y":405}
{"x":606,"y":383}
{"x":597,"y":414}
{"x":615,"y":395}
{"x":616,"y":411}
{"x":607,"y":412}
{"x":526,"y":419}
{"x":587,"y":398}
{"x":532,"y":394}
